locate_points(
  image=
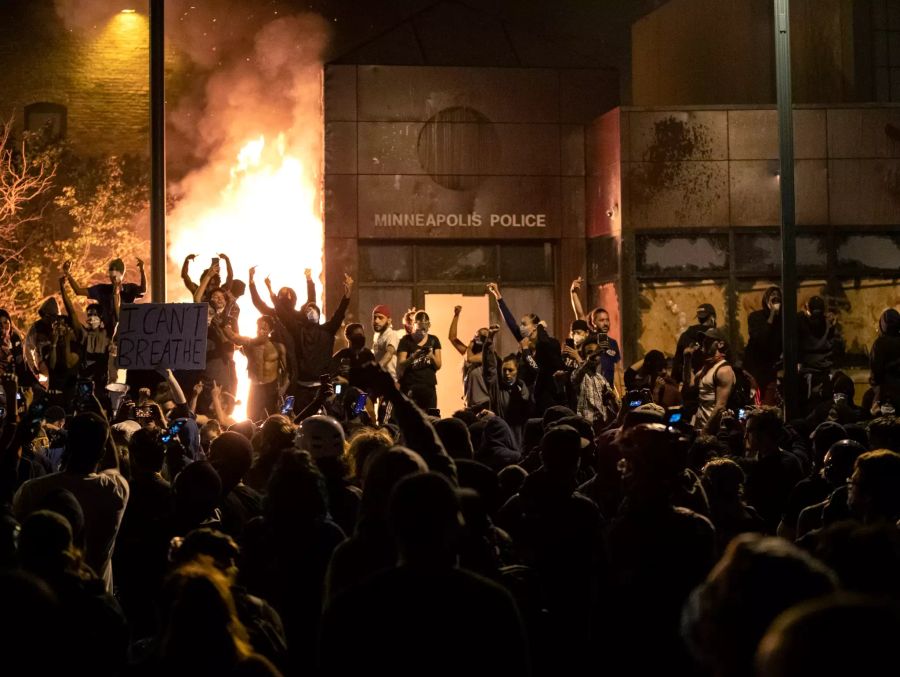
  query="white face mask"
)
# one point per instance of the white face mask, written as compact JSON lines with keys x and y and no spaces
{"x":312,"y":315}
{"x":93,"y":321}
{"x":116,"y":275}
{"x":525,"y":331}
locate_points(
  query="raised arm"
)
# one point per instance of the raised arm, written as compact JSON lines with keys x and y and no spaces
{"x":229,"y":271}
{"x":337,"y":318}
{"x":117,"y":300}
{"x":174,"y":387}
{"x":241,"y":340}
{"x":310,"y":286}
{"x":142,"y":287}
{"x":77,"y":327}
{"x":77,"y":288}
{"x":204,"y":283}
{"x":489,"y":366}
{"x":185,"y":275}
{"x":508,"y":317}
{"x":258,"y":303}
{"x":452,"y":336}
{"x":576,"y":299}
{"x":418,"y":433}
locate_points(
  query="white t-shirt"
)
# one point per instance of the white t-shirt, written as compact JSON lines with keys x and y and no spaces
{"x":380,"y":343}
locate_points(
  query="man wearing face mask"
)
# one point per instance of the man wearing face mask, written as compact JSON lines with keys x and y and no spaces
{"x":104,"y":294}
{"x":353,"y":356}
{"x":510,"y":397}
{"x":95,"y":344}
{"x":418,"y":361}
{"x":475,"y":391}
{"x":312,"y":342}
{"x":220,"y":367}
{"x":763,"y":352}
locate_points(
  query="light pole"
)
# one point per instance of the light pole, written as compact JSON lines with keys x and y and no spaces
{"x":791,"y":382}
{"x":157,"y":152}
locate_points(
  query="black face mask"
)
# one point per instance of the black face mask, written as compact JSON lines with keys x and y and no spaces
{"x":477,"y":346}
{"x":357,"y":342}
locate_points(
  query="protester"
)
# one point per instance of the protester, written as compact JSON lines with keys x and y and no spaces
{"x":693,"y":337}
{"x":337,"y":534}
{"x":418,"y":361}
{"x":763,"y":353}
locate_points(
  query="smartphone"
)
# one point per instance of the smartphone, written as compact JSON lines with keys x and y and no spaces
{"x":675,"y":417}
{"x":360,"y":404}
{"x":288,"y":407}
{"x":84,"y":387}
{"x":338,"y":388}
{"x":633,"y":404}
{"x":742,"y":414}
{"x":143,"y":412}
{"x":839,"y":397}
{"x":172,"y":431}
{"x":2,"y":412}
{"x":215,"y":261}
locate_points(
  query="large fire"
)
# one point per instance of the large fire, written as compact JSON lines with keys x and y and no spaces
{"x":267,"y":215}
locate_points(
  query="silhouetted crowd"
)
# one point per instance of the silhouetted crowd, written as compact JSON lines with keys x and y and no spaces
{"x":574,"y":516}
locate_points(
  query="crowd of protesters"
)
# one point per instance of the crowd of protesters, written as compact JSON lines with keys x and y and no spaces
{"x":574,"y":515}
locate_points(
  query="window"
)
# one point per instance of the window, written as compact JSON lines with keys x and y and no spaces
{"x":47,"y":116}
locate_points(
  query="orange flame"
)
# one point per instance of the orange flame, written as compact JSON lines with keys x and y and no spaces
{"x":268,"y":216}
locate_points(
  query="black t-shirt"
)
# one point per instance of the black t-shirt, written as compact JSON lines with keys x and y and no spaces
{"x":103,"y":294}
{"x":420,"y":370}
{"x":345,"y":360}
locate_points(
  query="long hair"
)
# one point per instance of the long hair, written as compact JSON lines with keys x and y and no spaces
{"x":200,"y":626}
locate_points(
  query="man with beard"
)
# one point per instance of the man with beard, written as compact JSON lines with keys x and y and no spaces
{"x":714,"y":380}
{"x":385,"y":340}
{"x":764,"y":344}
{"x":265,"y":361}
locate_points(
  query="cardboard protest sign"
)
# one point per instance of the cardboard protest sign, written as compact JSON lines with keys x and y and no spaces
{"x":170,"y":335}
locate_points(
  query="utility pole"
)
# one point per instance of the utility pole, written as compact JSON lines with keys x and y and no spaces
{"x":791,"y":382}
{"x":157,"y":152}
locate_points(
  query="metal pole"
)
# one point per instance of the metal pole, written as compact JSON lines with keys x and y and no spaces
{"x":157,"y":153}
{"x":788,"y":217}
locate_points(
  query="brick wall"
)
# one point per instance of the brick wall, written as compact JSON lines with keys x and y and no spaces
{"x":101,"y":78}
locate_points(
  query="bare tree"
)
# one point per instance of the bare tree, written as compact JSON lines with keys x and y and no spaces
{"x":24,"y":179}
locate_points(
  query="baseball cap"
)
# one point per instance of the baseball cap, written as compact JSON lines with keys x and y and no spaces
{"x":704,"y":310}
{"x":579,"y":325}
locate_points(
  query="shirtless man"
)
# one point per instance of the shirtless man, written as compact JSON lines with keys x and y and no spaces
{"x":263,"y":359}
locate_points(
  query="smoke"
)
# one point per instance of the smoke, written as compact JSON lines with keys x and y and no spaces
{"x":236,"y":71}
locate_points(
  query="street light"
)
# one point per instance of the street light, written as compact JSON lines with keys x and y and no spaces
{"x":791,"y":382}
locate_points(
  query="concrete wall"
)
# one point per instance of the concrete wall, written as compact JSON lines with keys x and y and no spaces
{"x":100,"y":76}
{"x":702,"y":52}
{"x":468,"y":143}
{"x":699,"y":213}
